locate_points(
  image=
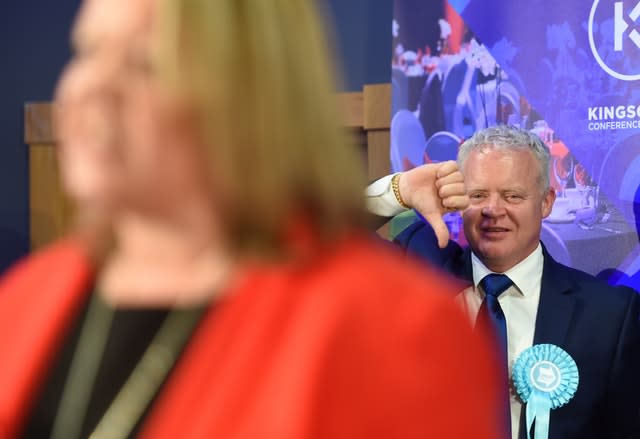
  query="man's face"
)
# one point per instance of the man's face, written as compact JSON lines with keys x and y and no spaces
{"x":504,"y":217}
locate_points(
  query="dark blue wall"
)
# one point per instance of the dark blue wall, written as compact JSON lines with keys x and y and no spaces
{"x":34,"y":46}
{"x":363,"y":34}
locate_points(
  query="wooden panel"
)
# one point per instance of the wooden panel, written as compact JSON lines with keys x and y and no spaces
{"x":39,"y":127}
{"x":38,"y":123}
{"x":377,"y":121}
{"x":377,"y":106}
{"x":378,"y":154}
{"x":366,"y":114}
{"x":50,"y":210}
{"x":352,"y":109}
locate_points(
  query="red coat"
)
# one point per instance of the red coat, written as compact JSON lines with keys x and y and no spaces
{"x":359,"y":344}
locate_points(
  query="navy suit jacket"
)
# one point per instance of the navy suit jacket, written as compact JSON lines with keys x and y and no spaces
{"x":597,"y":324}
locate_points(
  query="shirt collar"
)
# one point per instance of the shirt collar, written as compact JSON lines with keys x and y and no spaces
{"x":525,"y":274}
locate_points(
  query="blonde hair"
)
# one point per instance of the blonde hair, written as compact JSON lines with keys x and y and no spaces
{"x":259,"y":78}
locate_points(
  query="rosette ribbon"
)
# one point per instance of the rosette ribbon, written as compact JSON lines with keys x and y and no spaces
{"x":545,"y":377}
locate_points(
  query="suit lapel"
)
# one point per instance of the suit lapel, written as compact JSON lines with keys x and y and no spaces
{"x":554,"y":312}
{"x":460,"y":266}
{"x":556,"y":304}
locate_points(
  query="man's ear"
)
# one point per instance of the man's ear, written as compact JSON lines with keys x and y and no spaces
{"x":547,"y":201}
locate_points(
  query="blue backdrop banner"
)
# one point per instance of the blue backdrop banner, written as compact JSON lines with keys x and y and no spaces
{"x":567,"y":70}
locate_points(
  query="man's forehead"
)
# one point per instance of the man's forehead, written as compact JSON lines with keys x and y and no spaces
{"x":496,"y":154}
{"x":514,"y":165}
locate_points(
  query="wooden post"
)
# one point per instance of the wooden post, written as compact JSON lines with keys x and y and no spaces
{"x":367,"y":114}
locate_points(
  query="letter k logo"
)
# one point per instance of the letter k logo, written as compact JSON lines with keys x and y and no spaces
{"x":620,"y":26}
{"x":607,"y":52}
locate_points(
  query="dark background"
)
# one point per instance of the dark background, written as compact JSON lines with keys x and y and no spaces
{"x":34,"y":46}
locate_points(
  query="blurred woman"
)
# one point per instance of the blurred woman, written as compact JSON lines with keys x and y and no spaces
{"x":218,"y":283}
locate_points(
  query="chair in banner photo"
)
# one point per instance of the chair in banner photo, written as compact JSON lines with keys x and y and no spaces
{"x":407,"y":142}
{"x":399,"y":91}
{"x":555,"y":245}
{"x":619,"y":176}
{"x":442,"y":146}
{"x":407,"y":151}
{"x":431,"y":104}
{"x":459,"y":95}
{"x":509,"y":103}
{"x":486,"y":104}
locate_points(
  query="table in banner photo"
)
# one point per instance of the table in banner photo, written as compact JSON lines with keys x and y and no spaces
{"x":590,"y":242}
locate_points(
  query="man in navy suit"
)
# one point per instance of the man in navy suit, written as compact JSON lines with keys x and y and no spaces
{"x":506,"y":180}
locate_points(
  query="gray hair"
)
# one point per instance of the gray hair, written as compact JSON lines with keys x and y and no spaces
{"x":509,"y":138}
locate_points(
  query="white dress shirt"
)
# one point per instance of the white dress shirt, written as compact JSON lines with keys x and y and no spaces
{"x":520,"y":306}
{"x":380,"y":198}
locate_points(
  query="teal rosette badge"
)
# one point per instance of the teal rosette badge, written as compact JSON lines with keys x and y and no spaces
{"x":545,"y":377}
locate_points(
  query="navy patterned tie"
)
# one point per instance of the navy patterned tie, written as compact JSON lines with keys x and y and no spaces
{"x":491,"y":316}
{"x":490,"y":310}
